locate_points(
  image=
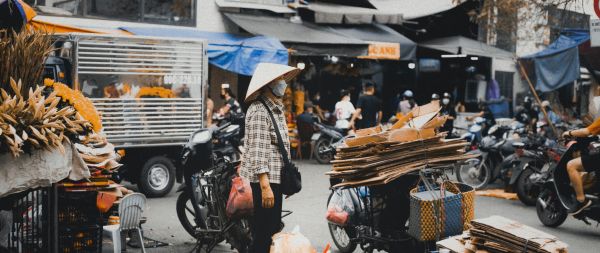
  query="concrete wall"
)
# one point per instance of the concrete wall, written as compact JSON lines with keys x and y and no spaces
{"x":209,"y":18}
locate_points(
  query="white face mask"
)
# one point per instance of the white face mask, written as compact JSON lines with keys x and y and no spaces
{"x":445,"y":101}
{"x":278,"y":88}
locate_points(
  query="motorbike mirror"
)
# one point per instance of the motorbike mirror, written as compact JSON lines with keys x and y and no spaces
{"x":201,"y":136}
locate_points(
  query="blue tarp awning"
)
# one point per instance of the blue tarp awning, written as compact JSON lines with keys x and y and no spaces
{"x":235,"y":53}
{"x":558,"y":64}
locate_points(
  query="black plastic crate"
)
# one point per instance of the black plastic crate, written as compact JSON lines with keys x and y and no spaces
{"x":30,"y":231}
{"x":78,"y":209}
{"x":80,"y":239}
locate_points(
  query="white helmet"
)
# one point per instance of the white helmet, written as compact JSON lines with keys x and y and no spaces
{"x":408,"y":94}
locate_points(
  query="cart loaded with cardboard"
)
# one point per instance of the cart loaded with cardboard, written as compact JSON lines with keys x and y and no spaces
{"x":56,"y":169}
{"x":385,"y":176}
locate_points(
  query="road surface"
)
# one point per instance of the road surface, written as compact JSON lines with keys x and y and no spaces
{"x":309,"y":208}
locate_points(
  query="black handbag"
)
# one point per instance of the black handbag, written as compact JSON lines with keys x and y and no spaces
{"x":291,"y":180}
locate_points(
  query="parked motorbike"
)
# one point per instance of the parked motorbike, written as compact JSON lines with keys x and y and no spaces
{"x":203,"y":197}
{"x":324,"y":141}
{"x":474,"y":135}
{"x":524,"y":168}
{"x":492,"y":151}
{"x":557,"y":196}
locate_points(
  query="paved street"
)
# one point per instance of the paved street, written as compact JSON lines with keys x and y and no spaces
{"x":309,"y":211}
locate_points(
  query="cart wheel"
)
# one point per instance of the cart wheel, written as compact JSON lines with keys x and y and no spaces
{"x":157,"y":177}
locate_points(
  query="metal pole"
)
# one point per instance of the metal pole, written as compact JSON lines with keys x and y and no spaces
{"x":537,"y":98}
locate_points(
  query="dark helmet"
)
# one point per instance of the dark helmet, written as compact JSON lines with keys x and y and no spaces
{"x":527,"y":101}
{"x":344,"y":93}
{"x":435,"y":96}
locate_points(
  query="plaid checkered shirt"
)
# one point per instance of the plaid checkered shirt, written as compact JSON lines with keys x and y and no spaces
{"x":260,"y":142}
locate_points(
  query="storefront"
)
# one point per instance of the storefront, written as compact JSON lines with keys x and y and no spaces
{"x":467,"y":69}
{"x":337,"y":57}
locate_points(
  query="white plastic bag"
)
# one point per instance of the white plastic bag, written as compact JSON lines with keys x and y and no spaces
{"x":291,"y":242}
{"x":342,"y":206}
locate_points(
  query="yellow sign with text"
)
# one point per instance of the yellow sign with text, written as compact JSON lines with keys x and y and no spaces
{"x":383,"y":51}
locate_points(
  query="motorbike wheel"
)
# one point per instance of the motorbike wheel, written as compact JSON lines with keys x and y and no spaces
{"x":341,"y":238}
{"x":239,"y":236}
{"x":473,"y":175}
{"x":185,"y":213}
{"x":553,"y":214}
{"x":323,"y":158}
{"x":526,"y":190}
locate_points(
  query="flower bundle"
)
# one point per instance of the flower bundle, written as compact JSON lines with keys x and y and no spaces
{"x":38,"y":121}
{"x":155,"y":92}
{"x":75,"y":98}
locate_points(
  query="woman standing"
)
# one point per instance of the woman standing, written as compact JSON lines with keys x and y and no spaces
{"x":343,"y":111}
{"x":262,"y":162}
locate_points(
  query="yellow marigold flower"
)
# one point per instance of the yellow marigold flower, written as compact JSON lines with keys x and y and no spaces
{"x":82,"y":104}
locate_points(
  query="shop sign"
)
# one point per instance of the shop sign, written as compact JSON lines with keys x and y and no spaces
{"x":595,"y":32}
{"x":384,"y":51}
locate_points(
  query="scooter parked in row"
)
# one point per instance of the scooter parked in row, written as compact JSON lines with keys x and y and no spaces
{"x":557,"y":196}
{"x":492,"y":150}
{"x":325,"y":140}
{"x":525,"y":167}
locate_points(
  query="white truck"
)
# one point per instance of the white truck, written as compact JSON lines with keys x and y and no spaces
{"x":149,"y":92}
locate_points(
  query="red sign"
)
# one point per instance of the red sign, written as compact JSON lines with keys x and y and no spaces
{"x":597,"y":8}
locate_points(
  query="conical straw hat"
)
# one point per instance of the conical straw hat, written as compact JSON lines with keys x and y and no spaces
{"x":268,"y":72}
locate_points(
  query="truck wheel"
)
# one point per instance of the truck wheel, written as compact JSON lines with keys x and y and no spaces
{"x":157,"y":177}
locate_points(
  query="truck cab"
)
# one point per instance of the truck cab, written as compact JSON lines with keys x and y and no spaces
{"x":149,"y":93}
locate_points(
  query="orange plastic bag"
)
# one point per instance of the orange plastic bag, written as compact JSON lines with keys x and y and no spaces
{"x":240,"y":203}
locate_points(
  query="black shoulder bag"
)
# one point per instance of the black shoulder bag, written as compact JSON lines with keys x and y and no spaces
{"x":291,"y":180}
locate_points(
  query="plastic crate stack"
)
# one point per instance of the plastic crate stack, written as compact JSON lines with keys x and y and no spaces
{"x":79,"y":223}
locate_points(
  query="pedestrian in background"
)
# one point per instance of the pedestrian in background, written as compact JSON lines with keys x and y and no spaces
{"x":368,"y":107}
{"x":448,"y":110}
{"x":231,"y":106}
{"x":407,"y":103}
{"x":344,"y":109}
{"x":262,"y":162}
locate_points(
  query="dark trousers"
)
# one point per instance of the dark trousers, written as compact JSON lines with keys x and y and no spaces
{"x":266,"y":221}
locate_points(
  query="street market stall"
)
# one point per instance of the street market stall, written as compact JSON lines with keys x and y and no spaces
{"x":55,"y":166}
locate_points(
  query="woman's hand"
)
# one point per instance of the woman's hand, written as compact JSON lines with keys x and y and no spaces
{"x":268,"y":199}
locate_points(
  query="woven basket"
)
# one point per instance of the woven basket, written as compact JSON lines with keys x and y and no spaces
{"x":440,"y":216}
{"x":468,"y":202}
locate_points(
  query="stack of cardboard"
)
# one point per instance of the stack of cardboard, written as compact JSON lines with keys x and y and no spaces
{"x":499,"y":234}
{"x":377,"y":156}
{"x":99,"y":155}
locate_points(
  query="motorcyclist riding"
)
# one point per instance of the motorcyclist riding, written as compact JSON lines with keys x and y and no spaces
{"x":527,"y":114}
{"x":587,"y":162}
{"x":231,"y":105}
